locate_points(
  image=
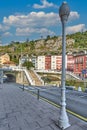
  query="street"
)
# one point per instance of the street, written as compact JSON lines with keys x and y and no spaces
{"x":76,"y":101}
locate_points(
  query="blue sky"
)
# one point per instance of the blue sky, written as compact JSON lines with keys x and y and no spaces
{"x":22,"y":19}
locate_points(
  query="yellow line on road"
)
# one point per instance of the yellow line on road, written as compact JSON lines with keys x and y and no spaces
{"x":58,"y":106}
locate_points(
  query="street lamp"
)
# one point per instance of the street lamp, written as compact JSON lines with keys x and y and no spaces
{"x":63,"y":121}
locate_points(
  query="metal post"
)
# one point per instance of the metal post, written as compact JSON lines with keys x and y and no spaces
{"x":63,"y":121}
{"x":1,"y":76}
{"x":23,"y":87}
{"x":38,"y":91}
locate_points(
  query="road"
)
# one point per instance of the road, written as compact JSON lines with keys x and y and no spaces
{"x":76,"y":101}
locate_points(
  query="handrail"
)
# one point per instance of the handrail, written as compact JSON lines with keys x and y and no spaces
{"x":38,"y":77}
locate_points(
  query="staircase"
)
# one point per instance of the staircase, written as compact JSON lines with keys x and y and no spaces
{"x":73,"y":75}
{"x":29,"y":77}
{"x":36,"y":78}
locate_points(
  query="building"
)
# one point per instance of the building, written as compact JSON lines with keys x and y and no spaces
{"x":59,"y":63}
{"x":23,"y":59}
{"x":70,"y":63}
{"x":74,"y":63}
{"x":53,"y":62}
{"x":80,"y":63}
{"x":41,"y":62}
{"x":4,"y":58}
{"x":34,"y":61}
{"x":48,"y":62}
{"x":9,"y":63}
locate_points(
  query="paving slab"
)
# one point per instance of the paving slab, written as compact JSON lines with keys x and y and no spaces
{"x":20,"y":110}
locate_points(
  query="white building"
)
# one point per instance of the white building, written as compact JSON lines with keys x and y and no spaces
{"x":34,"y":61}
{"x":53,"y":62}
{"x":41,"y":62}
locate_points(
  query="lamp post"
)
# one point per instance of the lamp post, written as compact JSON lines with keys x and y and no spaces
{"x":63,"y":121}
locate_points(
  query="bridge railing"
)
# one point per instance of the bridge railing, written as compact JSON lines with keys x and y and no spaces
{"x":59,"y":72}
{"x":18,"y":68}
{"x":39,"y":77}
{"x":29,"y":77}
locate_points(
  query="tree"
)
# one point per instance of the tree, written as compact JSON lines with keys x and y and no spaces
{"x":48,"y":37}
{"x":32,"y":45}
{"x":28,"y":64}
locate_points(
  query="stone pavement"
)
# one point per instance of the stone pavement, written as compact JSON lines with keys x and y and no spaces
{"x":20,"y":110}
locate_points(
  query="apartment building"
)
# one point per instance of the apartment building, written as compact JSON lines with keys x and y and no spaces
{"x":80,"y":63}
{"x":59,"y":63}
{"x":34,"y":61}
{"x":4,"y":58}
{"x":48,"y":62}
{"x":70,"y":63}
{"x":73,"y":63}
{"x":41,"y":62}
{"x":53,"y":62}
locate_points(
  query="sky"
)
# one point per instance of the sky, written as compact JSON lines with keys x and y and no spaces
{"x":35,"y":19}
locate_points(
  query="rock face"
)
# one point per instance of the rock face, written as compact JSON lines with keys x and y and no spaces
{"x":51,"y":45}
{"x":48,"y":46}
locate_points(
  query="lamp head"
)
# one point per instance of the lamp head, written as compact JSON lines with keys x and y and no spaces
{"x":64,"y":11}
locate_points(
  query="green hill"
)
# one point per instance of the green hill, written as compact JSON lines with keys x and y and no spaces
{"x":49,"y":46}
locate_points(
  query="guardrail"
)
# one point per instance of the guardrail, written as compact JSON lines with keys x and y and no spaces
{"x":39,"y":77}
{"x":29,"y":77}
{"x":59,"y":72}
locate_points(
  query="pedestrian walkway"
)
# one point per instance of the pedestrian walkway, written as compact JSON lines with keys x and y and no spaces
{"x":20,"y":110}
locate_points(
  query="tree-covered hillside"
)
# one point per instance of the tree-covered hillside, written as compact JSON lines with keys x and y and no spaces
{"x":50,"y":45}
{"x":80,"y":40}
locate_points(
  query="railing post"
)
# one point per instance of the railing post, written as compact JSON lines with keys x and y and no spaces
{"x":23,"y":87}
{"x":38,"y":92}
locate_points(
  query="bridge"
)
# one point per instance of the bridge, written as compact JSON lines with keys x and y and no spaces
{"x":59,"y":72}
{"x":32,"y":76}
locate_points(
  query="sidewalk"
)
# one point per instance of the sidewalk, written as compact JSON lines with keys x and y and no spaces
{"x":19,"y":110}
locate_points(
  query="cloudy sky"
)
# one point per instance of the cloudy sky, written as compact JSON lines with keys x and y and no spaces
{"x":33,"y":19}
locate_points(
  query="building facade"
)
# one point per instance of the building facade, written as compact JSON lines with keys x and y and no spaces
{"x":53,"y":62}
{"x":48,"y":62}
{"x":74,"y":63}
{"x":59,"y":63}
{"x":80,"y":63}
{"x":41,"y":62}
{"x":70,"y":63}
{"x":4,"y":58}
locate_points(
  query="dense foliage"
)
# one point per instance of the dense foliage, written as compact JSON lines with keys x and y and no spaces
{"x":28,"y":64}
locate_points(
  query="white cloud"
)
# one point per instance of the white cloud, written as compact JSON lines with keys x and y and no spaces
{"x":45,"y":4}
{"x":3,"y":28}
{"x":24,"y":31}
{"x":36,"y":19}
{"x":45,"y":32}
{"x":34,"y":23}
{"x":29,"y":31}
{"x":32,"y":19}
{"x":73,"y":15}
{"x":76,"y":28}
{"x":7,"y":34}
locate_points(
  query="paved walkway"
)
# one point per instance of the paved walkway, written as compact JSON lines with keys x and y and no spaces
{"x":19,"y":110}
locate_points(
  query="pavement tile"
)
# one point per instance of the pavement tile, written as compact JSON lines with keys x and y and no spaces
{"x":4,"y":127}
{"x":2,"y":115}
{"x":19,"y":110}
{"x":46,"y":128}
{"x":12,"y":122}
{"x":3,"y":121}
